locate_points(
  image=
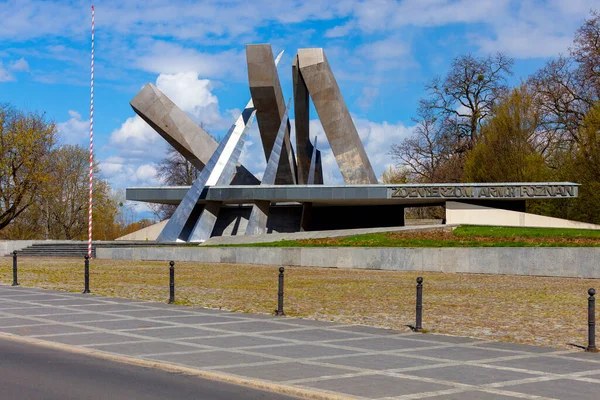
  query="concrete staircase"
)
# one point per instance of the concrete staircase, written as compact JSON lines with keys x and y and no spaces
{"x":78,"y":249}
{"x":73,"y":249}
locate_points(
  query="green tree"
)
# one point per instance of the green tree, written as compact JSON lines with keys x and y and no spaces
{"x":67,"y":197}
{"x":509,"y":148}
{"x":585,"y":169}
{"x":26,"y":143}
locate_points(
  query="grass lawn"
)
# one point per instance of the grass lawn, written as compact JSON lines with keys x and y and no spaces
{"x":536,"y":310}
{"x":463,"y":236}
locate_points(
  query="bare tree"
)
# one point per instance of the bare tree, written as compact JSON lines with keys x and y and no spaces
{"x":566,"y":89}
{"x":586,"y":52}
{"x":466,"y":96}
{"x":424,"y":152}
{"x":449,"y":120}
{"x":173,"y":170}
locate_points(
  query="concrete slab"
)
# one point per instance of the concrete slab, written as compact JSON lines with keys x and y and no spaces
{"x":108,"y":308}
{"x":80,"y":339}
{"x":211,"y":359}
{"x":384,"y":343}
{"x":559,"y":389}
{"x":470,"y":375}
{"x":319,"y":335}
{"x":50,"y":329}
{"x":285,"y":371}
{"x":142,"y":348}
{"x":463,"y":353}
{"x":12,"y":321}
{"x":199,"y":319}
{"x":473,"y":395}
{"x":376,"y":386}
{"x":37,"y":311}
{"x":547,"y":364}
{"x":172,"y":332}
{"x":376,"y":331}
{"x":82,"y":317}
{"x":516,"y":347}
{"x":231,"y":342}
{"x":151,"y":313}
{"x":124,"y":324}
{"x":252,"y":326}
{"x":380,"y":362}
{"x":432,"y":337}
{"x":300,"y":351}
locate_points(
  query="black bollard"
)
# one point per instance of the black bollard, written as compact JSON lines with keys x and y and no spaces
{"x":172,"y":282}
{"x":592,"y":322}
{"x":418,"y":326}
{"x":279,"y":310}
{"x":86,"y":275}
{"x":15,"y":281}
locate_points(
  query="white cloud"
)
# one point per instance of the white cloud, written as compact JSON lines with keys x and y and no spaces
{"x":75,"y":130}
{"x":192,"y":95}
{"x":137,"y":140}
{"x":339,"y":31}
{"x":5,"y":76}
{"x":377,"y":138}
{"x":169,"y":58}
{"x":145,"y":172}
{"x":20,"y":65}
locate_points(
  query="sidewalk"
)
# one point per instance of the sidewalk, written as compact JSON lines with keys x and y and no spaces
{"x":343,"y":360}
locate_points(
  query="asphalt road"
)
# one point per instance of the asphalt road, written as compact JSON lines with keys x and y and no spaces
{"x":36,"y":373}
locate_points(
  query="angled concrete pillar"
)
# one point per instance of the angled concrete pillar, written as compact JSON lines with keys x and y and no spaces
{"x":220,"y":167}
{"x":269,"y":103}
{"x":259,"y":215}
{"x":334,"y":115}
{"x":304,"y":148}
{"x":206,"y":222}
{"x":312,"y":171}
{"x":257,"y":223}
{"x":180,"y":131}
{"x":318,"y":170}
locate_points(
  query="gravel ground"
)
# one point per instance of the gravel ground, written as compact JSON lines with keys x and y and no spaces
{"x":533,"y":310}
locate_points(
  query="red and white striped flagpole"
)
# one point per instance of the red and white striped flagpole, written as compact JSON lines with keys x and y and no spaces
{"x":91,"y":143}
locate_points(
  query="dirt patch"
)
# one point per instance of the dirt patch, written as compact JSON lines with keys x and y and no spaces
{"x":534,"y":310}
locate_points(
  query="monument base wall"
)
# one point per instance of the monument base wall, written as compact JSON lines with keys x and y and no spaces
{"x":576,"y":262}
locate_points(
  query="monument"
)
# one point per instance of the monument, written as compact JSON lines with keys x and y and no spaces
{"x":227,"y":199}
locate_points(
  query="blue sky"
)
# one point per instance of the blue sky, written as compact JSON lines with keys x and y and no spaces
{"x":381,"y":51}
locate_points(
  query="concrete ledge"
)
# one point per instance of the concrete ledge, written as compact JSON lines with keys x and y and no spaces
{"x":576,"y":262}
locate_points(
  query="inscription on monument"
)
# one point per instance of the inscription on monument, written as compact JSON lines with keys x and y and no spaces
{"x":483,"y":191}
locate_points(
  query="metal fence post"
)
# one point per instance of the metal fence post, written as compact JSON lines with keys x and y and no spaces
{"x":86,"y":274}
{"x":280,"y":294}
{"x":419,"y":317}
{"x":172,"y":282}
{"x":591,"y":322}
{"x":15,"y":281}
